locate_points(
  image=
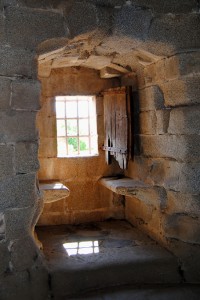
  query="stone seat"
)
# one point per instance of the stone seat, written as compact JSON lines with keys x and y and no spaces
{"x":53,"y":191}
{"x":123,"y":186}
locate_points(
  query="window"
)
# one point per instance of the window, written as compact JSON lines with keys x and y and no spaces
{"x":76,"y":126}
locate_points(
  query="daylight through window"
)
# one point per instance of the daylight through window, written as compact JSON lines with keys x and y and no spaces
{"x":76,"y":126}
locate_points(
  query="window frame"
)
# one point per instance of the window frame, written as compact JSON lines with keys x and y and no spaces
{"x":92,"y":122}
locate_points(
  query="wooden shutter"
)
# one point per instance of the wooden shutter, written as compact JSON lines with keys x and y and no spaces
{"x":116,"y":125}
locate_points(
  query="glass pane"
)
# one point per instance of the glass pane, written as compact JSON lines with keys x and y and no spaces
{"x":72,"y":146}
{"x":84,"y":145}
{"x":60,"y":109}
{"x":61,"y":128}
{"x":61,"y":147}
{"x":71,"y":127}
{"x":83,"y":109}
{"x":71,"y":109}
{"x":83,"y":127}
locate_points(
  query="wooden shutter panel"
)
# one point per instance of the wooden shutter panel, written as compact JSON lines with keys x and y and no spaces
{"x":116,"y":117}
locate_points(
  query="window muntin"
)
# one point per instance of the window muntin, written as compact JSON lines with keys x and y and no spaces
{"x":76,"y":126}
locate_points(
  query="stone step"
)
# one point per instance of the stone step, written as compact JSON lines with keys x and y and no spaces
{"x":101,"y":255}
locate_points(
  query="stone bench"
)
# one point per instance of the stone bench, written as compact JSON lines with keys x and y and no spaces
{"x":53,"y":191}
{"x":123,"y":186}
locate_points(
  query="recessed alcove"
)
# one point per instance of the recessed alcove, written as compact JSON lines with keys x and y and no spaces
{"x":144,"y":54}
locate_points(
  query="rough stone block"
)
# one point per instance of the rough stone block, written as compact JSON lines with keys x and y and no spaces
{"x":183,"y":91}
{"x":182,"y":64}
{"x":166,"y":34}
{"x":33,"y":26}
{"x":189,"y":178}
{"x":26,"y":157}
{"x":15,"y":61}
{"x":18,"y":222}
{"x":15,"y":285}
{"x":23,"y":253}
{"x":2,"y":227}
{"x":5,"y":91}
{"x":162,"y":118}
{"x":191,"y":262}
{"x":2,"y":28}
{"x":183,"y":203}
{"x":151,"y":98}
{"x":18,"y":191}
{"x":13,"y":128}
{"x":178,"y":147}
{"x":147,"y":122}
{"x":75,"y":21}
{"x":185,"y":120}
{"x":182,"y":227}
{"x":4,"y":257}
{"x":171,"y":6}
{"x":25,"y":95}
{"x":7,"y":167}
{"x":132,"y":21}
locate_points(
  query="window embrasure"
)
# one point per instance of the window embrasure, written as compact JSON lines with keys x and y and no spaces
{"x":76,"y":126}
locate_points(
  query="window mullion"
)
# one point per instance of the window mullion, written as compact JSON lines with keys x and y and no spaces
{"x":89,"y":125}
{"x":78,"y":128}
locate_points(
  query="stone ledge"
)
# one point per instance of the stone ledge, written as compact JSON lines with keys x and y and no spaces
{"x":123,"y":186}
{"x":53,"y":191}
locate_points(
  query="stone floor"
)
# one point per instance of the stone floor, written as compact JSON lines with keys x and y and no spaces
{"x":110,"y":260}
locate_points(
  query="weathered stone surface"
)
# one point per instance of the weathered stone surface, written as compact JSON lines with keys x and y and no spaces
{"x":17,"y":126}
{"x":4,"y":258}
{"x":23,"y":253}
{"x":7,"y":167}
{"x":51,"y":150}
{"x":183,"y":227}
{"x":17,"y":62}
{"x":162,"y":121}
{"x":185,"y":120}
{"x":183,"y":91}
{"x":2,"y":28}
{"x":189,"y":255}
{"x":189,"y":178}
{"x":183,"y":203}
{"x":25,"y":95}
{"x":77,"y":23}
{"x":53,"y":191}
{"x":33,"y":26}
{"x":183,"y":177}
{"x":26,"y":157}
{"x":132,"y":21}
{"x":15,"y":285}
{"x":182,"y":64}
{"x":148,"y":122}
{"x":5,"y":91}
{"x":151,"y":98}
{"x":2,"y":226}
{"x":171,"y":6}
{"x":179,"y":147}
{"x":166,"y":33}
{"x":18,"y":191}
{"x":18,"y":222}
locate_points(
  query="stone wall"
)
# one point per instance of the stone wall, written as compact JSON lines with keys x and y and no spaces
{"x":79,"y":174}
{"x":167,"y":150}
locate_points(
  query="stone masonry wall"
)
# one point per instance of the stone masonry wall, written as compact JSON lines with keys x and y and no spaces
{"x":167,"y":157}
{"x":79,"y":174}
